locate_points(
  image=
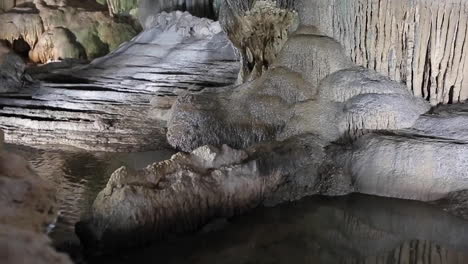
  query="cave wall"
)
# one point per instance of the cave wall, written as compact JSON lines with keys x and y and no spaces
{"x":8,"y":4}
{"x":121,"y":6}
{"x":200,"y":8}
{"x":421,"y":42}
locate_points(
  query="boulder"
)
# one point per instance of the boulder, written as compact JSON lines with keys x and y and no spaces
{"x":407,"y":166}
{"x":12,"y":69}
{"x":313,"y":56}
{"x":343,"y":85}
{"x":446,"y":122}
{"x":369,"y":112}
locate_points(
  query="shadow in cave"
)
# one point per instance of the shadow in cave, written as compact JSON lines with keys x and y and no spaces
{"x":320,"y":230}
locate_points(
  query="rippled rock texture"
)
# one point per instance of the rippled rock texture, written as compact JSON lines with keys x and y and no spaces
{"x":105,"y":105}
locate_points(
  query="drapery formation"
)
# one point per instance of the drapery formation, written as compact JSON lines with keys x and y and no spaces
{"x":421,"y":43}
{"x":200,"y":8}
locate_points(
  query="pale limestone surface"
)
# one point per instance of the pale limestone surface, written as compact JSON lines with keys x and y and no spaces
{"x":409,"y":41}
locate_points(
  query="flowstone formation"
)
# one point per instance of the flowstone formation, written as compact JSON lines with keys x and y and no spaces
{"x":187,"y":191}
{"x":421,"y":43}
{"x":310,"y":116}
{"x":314,"y":123}
{"x":199,"y":8}
{"x":258,"y":29}
{"x":57,"y":30}
{"x":28,"y":207}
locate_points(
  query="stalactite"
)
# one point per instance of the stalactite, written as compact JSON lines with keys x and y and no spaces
{"x":421,"y":43}
{"x":200,"y":8}
{"x":258,"y":29}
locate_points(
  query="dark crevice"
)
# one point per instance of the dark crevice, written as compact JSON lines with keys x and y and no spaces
{"x":64,"y":79}
{"x":52,"y":108}
{"x":35,"y":118}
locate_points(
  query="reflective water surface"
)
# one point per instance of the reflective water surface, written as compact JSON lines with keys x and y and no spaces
{"x":78,"y":177}
{"x":350,"y":229}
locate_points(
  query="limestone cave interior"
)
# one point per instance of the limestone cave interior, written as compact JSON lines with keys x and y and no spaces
{"x":233,"y":131}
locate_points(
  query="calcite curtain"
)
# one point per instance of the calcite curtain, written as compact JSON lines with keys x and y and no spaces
{"x":422,"y":43}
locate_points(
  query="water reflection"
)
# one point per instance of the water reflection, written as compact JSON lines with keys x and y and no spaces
{"x":79,"y":176}
{"x":352,"y":229}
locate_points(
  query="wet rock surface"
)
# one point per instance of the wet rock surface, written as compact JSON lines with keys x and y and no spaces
{"x":28,"y":207}
{"x":189,"y":190}
{"x":337,"y":127}
{"x":104,"y":105}
{"x":12,"y":67}
{"x":348,"y":229}
{"x":312,"y":122}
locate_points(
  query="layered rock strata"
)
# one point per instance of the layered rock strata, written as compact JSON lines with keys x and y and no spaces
{"x":105,"y":105}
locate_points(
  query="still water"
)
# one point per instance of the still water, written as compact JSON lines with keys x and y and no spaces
{"x":349,"y":229}
{"x":78,"y":177}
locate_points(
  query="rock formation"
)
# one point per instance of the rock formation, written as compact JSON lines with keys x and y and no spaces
{"x":122,"y":7}
{"x":12,"y":67}
{"x":288,"y":103}
{"x":258,"y":29}
{"x":55,"y":21}
{"x":57,"y":44}
{"x":410,"y":41}
{"x":337,"y":127}
{"x":18,"y":246}
{"x":28,"y":207}
{"x":351,"y":229}
{"x":321,"y":107}
{"x":199,"y":8}
{"x":187,"y":191}
{"x":104,"y":105}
